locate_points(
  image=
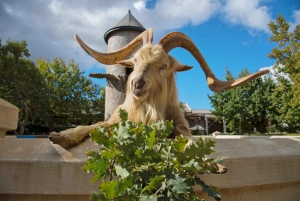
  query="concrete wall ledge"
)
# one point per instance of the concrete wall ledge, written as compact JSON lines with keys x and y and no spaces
{"x":259,"y":168}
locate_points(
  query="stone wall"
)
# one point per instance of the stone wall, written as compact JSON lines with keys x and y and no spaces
{"x":8,"y":117}
{"x":259,"y":168}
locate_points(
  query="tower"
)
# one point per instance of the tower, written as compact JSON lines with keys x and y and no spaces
{"x":116,"y":75}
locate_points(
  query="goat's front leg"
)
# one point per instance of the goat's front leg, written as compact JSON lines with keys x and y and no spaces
{"x":182,"y":129}
{"x":73,"y":136}
{"x":181,"y":126}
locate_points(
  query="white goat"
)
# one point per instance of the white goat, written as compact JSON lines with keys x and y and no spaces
{"x":151,"y":90}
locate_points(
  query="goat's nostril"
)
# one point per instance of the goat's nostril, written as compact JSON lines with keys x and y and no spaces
{"x":138,"y":84}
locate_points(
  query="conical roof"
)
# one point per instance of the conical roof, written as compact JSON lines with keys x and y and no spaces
{"x":128,"y":22}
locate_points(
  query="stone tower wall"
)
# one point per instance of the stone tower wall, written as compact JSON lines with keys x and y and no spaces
{"x":116,"y":89}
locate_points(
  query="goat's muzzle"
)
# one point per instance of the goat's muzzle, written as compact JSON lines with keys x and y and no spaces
{"x":137,"y":85}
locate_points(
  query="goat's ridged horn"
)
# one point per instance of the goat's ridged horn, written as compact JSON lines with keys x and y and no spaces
{"x":178,"y":39}
{"x":111,"y":58}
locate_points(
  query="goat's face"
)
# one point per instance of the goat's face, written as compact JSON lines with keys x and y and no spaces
{"x":152,"y":70}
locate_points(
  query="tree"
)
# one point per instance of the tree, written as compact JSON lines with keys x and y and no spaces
{"x":72,"y":97}
{"x":246,"y":107}
{"x":21,"y":83}
{"x":139,"y":162}
{"x":287,"y":55}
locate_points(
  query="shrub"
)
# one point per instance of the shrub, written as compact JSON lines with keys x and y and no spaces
{"x":139,"y":162}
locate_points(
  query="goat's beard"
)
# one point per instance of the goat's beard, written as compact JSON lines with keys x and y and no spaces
{"x":148,"y":108}
{"x":141,"y":95}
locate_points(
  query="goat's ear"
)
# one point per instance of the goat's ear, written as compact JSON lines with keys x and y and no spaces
{"x":128,"y":63}
{"x":178,"y":67}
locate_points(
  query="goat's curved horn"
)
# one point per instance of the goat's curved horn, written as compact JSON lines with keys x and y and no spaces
{"x":111,"y":58}
{"x":178,"y":39}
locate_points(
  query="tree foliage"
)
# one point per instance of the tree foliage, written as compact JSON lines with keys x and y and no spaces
{"x":286,"y":96}
{"x":21,"y":83}
{"x":49,"y":92}
{"x":138,"y":162}
{"x":72,"y":97}
{"x":246,"y":107}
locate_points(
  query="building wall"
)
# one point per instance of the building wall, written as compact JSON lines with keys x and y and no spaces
{"x":115,"y":89}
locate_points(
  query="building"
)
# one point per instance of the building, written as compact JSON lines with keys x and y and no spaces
{"x":202,"y":121}
{"x":116,"y":75}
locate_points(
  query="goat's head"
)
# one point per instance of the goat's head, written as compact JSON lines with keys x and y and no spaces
{"x":153,"y":71}
{"x":154,"y":60}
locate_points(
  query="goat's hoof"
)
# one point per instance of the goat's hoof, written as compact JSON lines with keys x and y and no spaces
{"x":221,"y":169}
{"x":64,"y":142}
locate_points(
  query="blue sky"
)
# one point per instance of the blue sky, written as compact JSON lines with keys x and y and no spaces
{"x":229,"y":33}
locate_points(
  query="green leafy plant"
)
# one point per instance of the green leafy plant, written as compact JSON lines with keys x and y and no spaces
{"x":139,"y":162}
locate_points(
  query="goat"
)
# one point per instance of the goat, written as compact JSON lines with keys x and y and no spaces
{"x":151,"y":93}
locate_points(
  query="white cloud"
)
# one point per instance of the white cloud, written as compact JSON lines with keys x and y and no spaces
{"x":139,"y":5}
{"x":273,"y":72}
{"x":177,"y":14}
{"x":250,"y":14}
{"x":296,"y":16}
{"x":49,"y":26}
{"x":7,"y":8}
{"x":270,"y":68}
{"x":170,"y":15}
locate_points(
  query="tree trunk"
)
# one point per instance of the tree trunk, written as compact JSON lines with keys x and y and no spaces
{"x":21,"y":127}
{"x":22,"y":123}
{"x":51,"y":124}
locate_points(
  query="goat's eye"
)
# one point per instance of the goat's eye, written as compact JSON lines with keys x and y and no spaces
{"x":164,"y":67}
